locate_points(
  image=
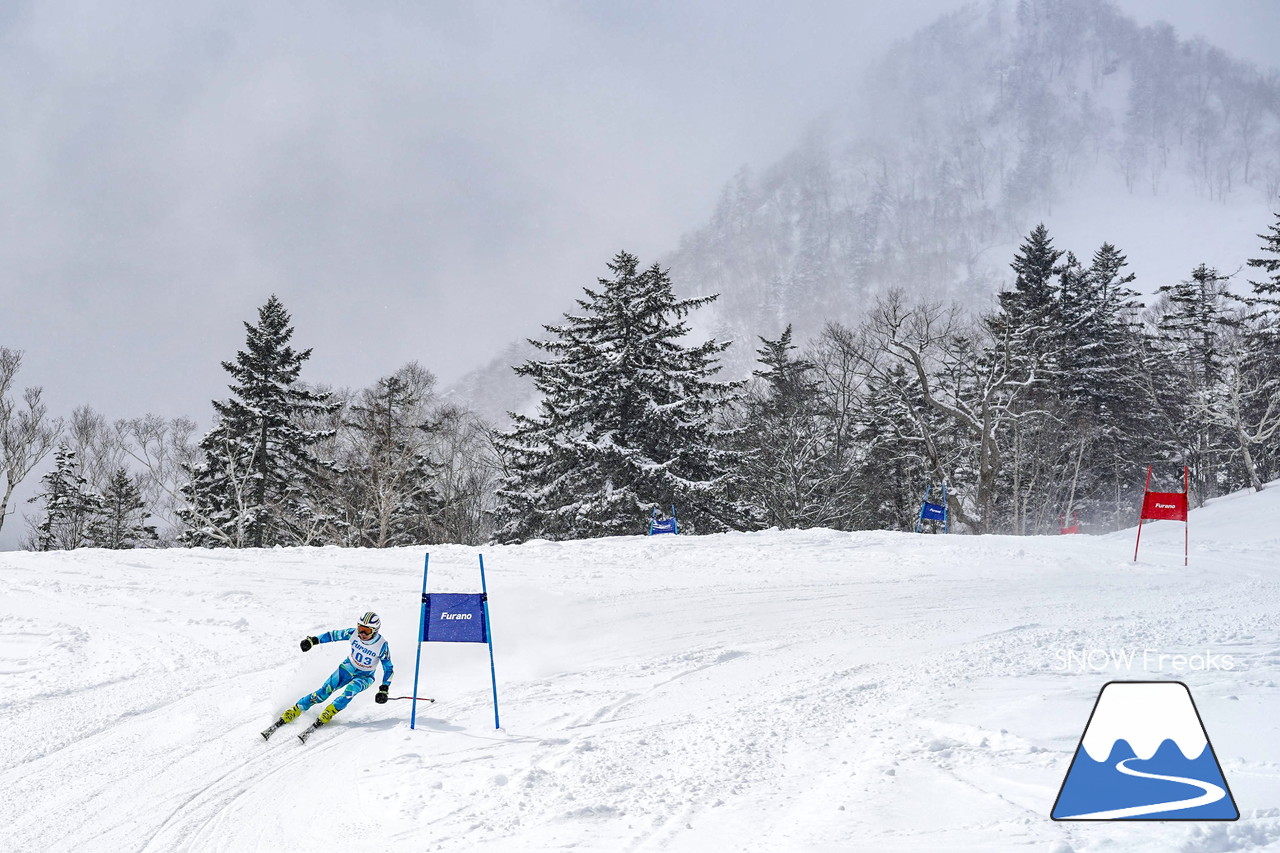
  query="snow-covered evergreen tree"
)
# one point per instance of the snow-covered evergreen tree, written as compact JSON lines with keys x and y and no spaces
{"x":1256,"y":389}
{"x":70,"y":506}
{"x":628,"y":419}
{"x":255,"y":486}
{"x":1198,"y":310}
{"x":1029,"y":318}
{"x":1196,"y":318}
{"x":1105,"y":415}
{"x":122,"y":519}
{"x":791,"y":472}
{"x":1266,"y":290}
{"x":892,"y":469}
{"x":1025,"y":349}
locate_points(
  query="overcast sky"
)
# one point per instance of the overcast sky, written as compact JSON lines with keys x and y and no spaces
{"x":415,"y":180}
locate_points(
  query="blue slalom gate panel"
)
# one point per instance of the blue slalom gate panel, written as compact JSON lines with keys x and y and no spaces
{"x":664,"y":525}
{"x":454,"y":617}
{"x":930,"y":511}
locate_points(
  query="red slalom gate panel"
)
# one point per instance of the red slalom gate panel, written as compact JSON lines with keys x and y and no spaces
{"x":1165,"y":506}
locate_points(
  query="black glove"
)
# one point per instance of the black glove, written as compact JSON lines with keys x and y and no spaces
{"x":381,"y":697}
{"x":308,"y":642}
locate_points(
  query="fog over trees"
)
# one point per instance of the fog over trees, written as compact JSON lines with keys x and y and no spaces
{"x":888,"y":309}
{"x":960,"y":140}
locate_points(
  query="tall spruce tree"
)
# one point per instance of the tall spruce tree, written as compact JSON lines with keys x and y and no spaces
{"x":791,"y":473}
{"x":122,"y":520}
{"x":1257,"y":384}
{"x":255,"y":486}
{"x":1098,"y":311}
{"x":891,"y":470}
{"x":1026,"y":349}
{"x":1195,"y":320}
{"x":1029,"y":317}
{"x":1104,"y":407}
{"x":1266,"y":292}
{"x":628,"y":419}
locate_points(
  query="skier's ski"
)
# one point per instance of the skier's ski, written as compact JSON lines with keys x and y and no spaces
{"x":271,"y":729}
{"x":306,"y":733}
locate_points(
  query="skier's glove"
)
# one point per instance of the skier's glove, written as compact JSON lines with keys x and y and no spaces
{"x":381,"y":697}
{"x":308,"y":642}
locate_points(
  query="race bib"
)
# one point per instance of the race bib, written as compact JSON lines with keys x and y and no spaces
{"x":365,"y":655}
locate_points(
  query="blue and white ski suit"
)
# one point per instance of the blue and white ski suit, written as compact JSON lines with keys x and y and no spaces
{"x":356,"y":672}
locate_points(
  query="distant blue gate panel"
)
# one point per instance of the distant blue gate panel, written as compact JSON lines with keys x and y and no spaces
{"x":664,"y":525}
{"x":454,"y":617}
{"x":933,"y":512}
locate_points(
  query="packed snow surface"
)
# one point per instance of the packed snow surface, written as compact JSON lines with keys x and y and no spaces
{"x":774,"y":691}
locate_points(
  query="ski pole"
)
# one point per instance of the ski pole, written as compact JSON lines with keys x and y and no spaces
{"x":419,"y":698}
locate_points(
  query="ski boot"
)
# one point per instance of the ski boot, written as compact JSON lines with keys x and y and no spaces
{"x":325,"y":716}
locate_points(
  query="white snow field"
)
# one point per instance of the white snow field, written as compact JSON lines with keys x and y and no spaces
{"x":773,"y":691}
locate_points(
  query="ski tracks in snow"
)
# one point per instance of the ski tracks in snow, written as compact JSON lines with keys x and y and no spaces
{"x":770,"y":691}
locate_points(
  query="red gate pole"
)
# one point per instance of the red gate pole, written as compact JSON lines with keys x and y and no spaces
{"x":1186,"y":530}
{"x":1145,"y":487}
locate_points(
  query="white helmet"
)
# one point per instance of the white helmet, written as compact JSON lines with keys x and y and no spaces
{"x":371,"y":621}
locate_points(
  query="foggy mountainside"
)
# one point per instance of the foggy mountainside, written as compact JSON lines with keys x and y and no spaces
{"x":957,"y":142}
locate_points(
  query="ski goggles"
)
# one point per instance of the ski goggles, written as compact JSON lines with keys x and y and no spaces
{"x":364,"y":631}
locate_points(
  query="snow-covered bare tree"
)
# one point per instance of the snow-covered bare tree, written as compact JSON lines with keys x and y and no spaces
{"x":98,"y":446}
{"x":27,"y":433}
{"x":466,"y":475}
{"x":387,"y":479}
{"x":957,"y":394}
{"x":163,"y":451}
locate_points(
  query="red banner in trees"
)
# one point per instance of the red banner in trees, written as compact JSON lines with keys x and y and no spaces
{"x":1164,"y":506}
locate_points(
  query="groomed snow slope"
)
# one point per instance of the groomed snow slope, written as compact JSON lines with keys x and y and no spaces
{"x":773,"y":691}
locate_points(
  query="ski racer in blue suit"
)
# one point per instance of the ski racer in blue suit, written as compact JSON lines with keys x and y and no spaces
{"x":368,"y":650}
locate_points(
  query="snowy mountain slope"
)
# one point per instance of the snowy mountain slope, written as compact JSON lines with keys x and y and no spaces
{"x":801,"y":690}
{"x":927,"y":172}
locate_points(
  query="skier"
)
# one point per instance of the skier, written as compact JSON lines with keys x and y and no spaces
{"x":356,"y":672}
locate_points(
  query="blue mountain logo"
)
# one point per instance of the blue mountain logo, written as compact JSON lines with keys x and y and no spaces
{"x":1145,"y":755}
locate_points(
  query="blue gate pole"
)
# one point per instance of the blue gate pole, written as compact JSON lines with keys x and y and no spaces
{"x":928,"y":490}
{"x":417,"y":660}
{"x":946,"y":510}
{"x":488,"y":633}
